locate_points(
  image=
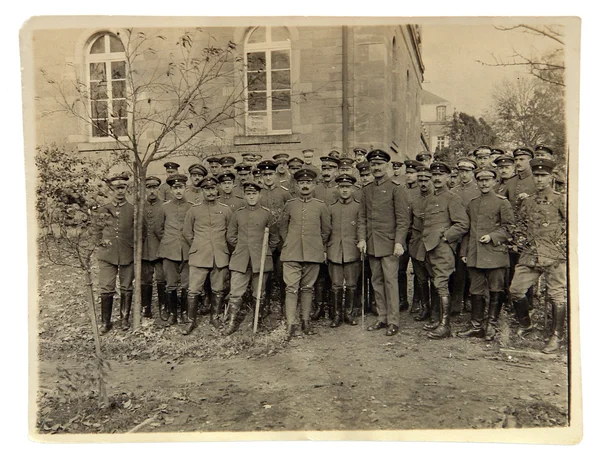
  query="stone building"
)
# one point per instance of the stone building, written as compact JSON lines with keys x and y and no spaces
{"x":324,"y":88}
{"x":436,"y":115}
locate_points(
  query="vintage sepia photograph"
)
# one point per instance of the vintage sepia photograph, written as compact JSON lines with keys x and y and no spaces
{"x":293,"y":228}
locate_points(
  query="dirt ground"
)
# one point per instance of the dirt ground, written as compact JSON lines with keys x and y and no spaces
{"x":340,"y":379}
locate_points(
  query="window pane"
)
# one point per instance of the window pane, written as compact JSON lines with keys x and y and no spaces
{"x":280,"y":59}
{"x":100,"y":109}
{"x":257,"y":124}
{"x":98,"y":90}
{"x":281,"y":100}
{"x":118,"y":89}
{"x":257,"y":61}
{"x":257,"y":101}
{"x":116,"y":45}
{"x":97,"y":71}
{"x":100,"y":128}
{"x":257,"y":81}
{"x":119,"y":127}
{"x":118,"y":69}
{"x":119,"y":108}
{"x":98,"y":46}
{"x":282,"y":120}
{"x":258,"y":35}
{"x":279,"y":34}
{"x":281,"y":80}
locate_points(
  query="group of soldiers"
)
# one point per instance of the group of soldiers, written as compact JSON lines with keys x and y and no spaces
{"x":479,"y":235}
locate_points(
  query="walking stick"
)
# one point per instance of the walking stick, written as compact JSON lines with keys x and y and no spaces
{"x":263,"y":257}
{"x":362,"y":297}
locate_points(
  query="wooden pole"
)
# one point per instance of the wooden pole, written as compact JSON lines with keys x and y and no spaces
{"x":362,"y":297}
{"x":261,"y":274}
{"x":100,"y":359}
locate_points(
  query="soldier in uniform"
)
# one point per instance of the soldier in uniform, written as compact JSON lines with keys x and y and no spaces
{"x":397,"y":169}
{"x":247,"y":158}
{"x":410,"y":174}
{"x":342,"y":253}
{"x":305,"y":227}
{"x":444,"y":224}
{"x":244,"y":174}
{"x":164,"y":192}
{"x":360,"y":155}
{"x":173,"y":249}
{"x":193,"y":193}
{"x":410,"y":182}
{"x":543,"y":252}
{"x":543,"y":152}
{"x":364,"y":169}
{"x":496,"y":152}
{"x":334,"y":154}
{"x":204,"y":232}
{"x":327,"y":190}
{"x":226,"y":163}
{"x":226,"y":187}
{"x":257,"y":176}
{"x":151,"y":264}
{"x":484,"y":252}
{"x":383,"y":227}
{"x":283,"y":174}
{"x":114,"y":235}
{"x":307,"y":156}
{"x":416,"y":247}
{"x":483,"y":156}
{"x":214,"y":165}
{"x":294,"y":164}
{"x":346,"y":167}
{"x":466,"y":190}
{"x":424,"y":158}
{"x":245,"y":234}
{"x":506,"y":170}
{"x":453,"y":179}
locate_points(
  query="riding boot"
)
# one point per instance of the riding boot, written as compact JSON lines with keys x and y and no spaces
{"x":235,"y":305}
{"x":192,"y":311}
{"x":215,"y":308}
{"x":106,"y":305}
{"x":205,"y":304}
{"x":530,"y":298}
{"x":184,"y":306}
{"x":521,"y":306}
{"x":496,"y":299}
{"x":147,"y":301}
{"x":443,"y":330}
{"x":305,"y":304}
{"x":320,"y":302}
{"x":435,"y":319}
{"x":126,"y":298}
{"x":425,"y":311}
{"x":163,"y":309}
{"x":291,"y":305}
{"x":402,"y":291}
{"x":417,"y":304}
{"x":337,"y":308}
{"x":349,"y":302}
{"x":477,"y":310}
{"x":172,"y":307}
{"x":558,"y":330}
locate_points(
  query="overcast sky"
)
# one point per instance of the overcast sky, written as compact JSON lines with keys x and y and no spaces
{"x":450,"y":55}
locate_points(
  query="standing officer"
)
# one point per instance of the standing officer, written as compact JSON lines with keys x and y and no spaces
{"x":204,"y":232}
{"x":245,"y":234}
{"x":283,"y":174}
{"x":173,"y":250}
{"x":294,"y":164}
{"x":327,"y":190}
{"x":410,"y":182}
{"x":164,"y":192}
{"x":305,"y":227}
{"x":226,"y":185}
{"x":151,"y":264}
{"x":364,"y":169}
{"x":214,"y":165}
{"x":114,"y":233}
{"x":410,"y":176}
{"x":543,"y":152}
{"x":307,"y":156}
{"x":256,"y":177}
{"x":484,"y":252}
{"x":453,"y":179}
{"x":382,"y":229}
{"x":342,"y":253}
{"x":397,"y":168}
{"x":193,"y":193}
{"x":424,"y":158}
{"x":505,"y":165}
{"x":483,"y":156}
{"x":244,"y":174}
{"x":226,"y":163}
{"x":543,"y":243}
{"x":445,"y":222}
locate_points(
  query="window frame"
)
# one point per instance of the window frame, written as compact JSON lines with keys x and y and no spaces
{"x":442,"y":139}
{"x":441,"y":109}
{"x":268,"y":46}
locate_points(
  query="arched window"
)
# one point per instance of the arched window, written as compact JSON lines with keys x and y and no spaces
{"x":107,"y":84}
{"x":268,"y":81}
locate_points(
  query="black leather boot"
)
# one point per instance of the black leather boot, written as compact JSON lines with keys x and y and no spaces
{"x":192,"y":310}
{"x":558,"y":330}
{"x":291,"y":304}
{"x":347,"y":308}
{"x":477,"y":310}
{"x":205,"y":303}
{"x":425,"y":312}
{"x":402,"y":291}
{"x":336,"y":295}
{"x":106,"y":305}
{"x":443,"y":330}
{"x":305,"y":304}
{"x":172,"y":307}
{"x":417,"y":304}
{"x":320,"y":302}
{"x":163,"y":305}
{"x":184,"y":306}
{"x":126,"y":298}
{"x":147,"y":301}
{"x":496,"y":299}
{"x":235,"y":305}
{"x":435,"y":318}
{"x":521,"y":306}
{"x":217,"y":303}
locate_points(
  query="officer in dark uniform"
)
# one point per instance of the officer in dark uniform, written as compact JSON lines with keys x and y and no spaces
{"x":383,"y":227}
{"x":244,"y":174}
{"x":193,"y":193}
{"x":483,"y":156}
{"x":410,"y":174}
{"x":226,"y":187}
{"x":114,"y":235}
{"x":327,"y":190}
{"x":424,"y":158}
{"x":484,"y":252}
{"x":172,"y":249}
{"x":204,"y":232}
{"x":151,"y":264}
{"x":544,"y":252}
{"x":214,"y":164}
{"x":245,"y":234}
{"x":164,"y":192}
{"x":410,"y":182}
{"x":227,"y":164}
{"x":342,"y":252}
{"x":444,"y":224}
{"x":305,"y":227}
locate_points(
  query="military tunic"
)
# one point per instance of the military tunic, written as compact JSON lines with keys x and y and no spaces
{"x":342,"y":253}
{"x":466,"y":192}
{"x":502,"y":186}
{"x":151,"y":263}
{"x":233,"y":200}
{"x":521,"y":183}
{"x":173,"y":246}
{"x":274,"y":199}
{"x":194,"y":195}
{"x":165,"y":193}
{"x":327,"y":192}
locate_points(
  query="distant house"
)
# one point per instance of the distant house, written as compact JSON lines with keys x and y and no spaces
{"x":436,"y":115}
